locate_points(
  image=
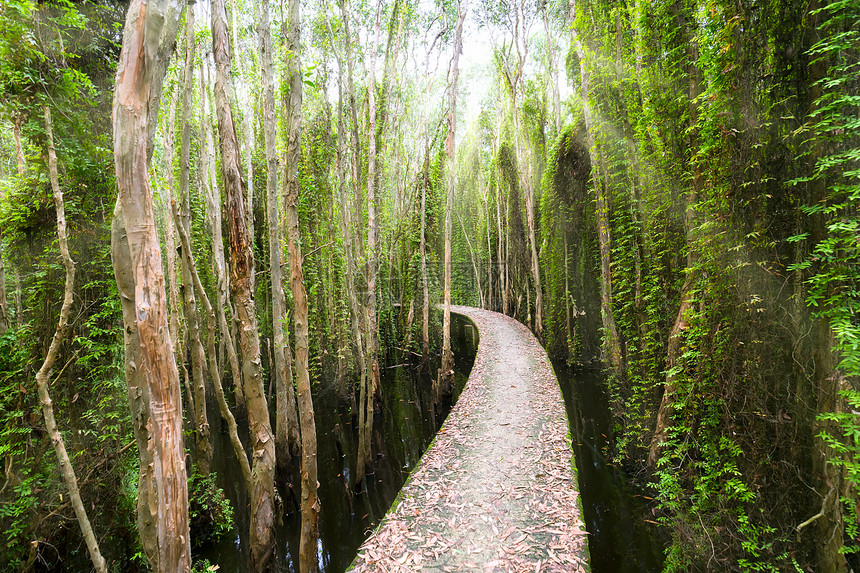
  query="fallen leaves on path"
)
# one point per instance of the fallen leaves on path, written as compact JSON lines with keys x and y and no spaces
{"x":496,"y":491}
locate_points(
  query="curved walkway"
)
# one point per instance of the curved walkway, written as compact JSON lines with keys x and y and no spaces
{"x":496,"y":490}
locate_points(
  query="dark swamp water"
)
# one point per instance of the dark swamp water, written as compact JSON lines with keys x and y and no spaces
{"x":619,"y":539}
{"x":402,"y":431}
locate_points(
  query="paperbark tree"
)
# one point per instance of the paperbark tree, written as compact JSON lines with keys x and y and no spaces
{"x":44,"y":374}
{"x":213,"y":211}
{"x":345,"y":219}
{"x":241,"y":271}
{"x":352,"y":238}
{"x":214,"y":372}
{"x":151,"y":374}
{"x":287,"y":439}
{"x":310,"y":506}
{"x":169,"y":234}
{"x":203,"y":445}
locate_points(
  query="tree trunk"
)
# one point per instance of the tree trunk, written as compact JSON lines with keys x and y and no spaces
{"x":241,"y":270}
{"x":370,"y":379}
{"x":213,"y":204}
{"x":446,"y":372}
{"x":351,"y":241}
{"x":169,"y":235}
{"x":310,"y":506}
{"x":425,"y":303}
{"x":151,"y":374}
{"x":4,"y":304}
{"x":44,"y":373}
{"x":474,"y":261}
{"x":214,"y":372}
{"x":287,"y":439}
{"x":345,"y":216}
{"x":553,"y":60}
{"x":203,"y":445}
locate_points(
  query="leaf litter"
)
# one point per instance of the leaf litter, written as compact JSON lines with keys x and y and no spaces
{"x":496,"y":491}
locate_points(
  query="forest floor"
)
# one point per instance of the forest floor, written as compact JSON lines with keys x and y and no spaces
{"x":496,"y":491}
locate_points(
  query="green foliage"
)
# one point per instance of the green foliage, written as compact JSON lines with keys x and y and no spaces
{"x":209,"y":510}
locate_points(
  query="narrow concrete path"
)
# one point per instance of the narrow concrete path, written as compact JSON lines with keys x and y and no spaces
{"x":496,"y":491}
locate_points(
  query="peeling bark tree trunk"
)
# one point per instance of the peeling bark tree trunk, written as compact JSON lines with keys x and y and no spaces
{"x":44,"y":373}
{"x":241,"y":271}
{"x":169,"y":237}
{"x":151,"y":374}
{"x":446,"y":372}
{"x":287,"y":439}
{"x":310,"y":506}
{"x":344,"y":220}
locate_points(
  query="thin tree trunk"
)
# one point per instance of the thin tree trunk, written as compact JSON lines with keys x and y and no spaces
{"x":567,"y":300}
{"x":214,"y":372}
{"x":4,"y":301}
{"x":503,"y":283}
{"x":213,"y":204}
{"x":151,"y":373}
{"x":19,"y":150}
{"x":446,"y":372}
{"x":553,"y":59}
{"x":241,"y":270}
{"x":44,"y":373}
{"x":425,"y":303}
{"x":474,"y":260}
{"x":169,"y":235}
{"x":523,"y":152}
{"x":203,"y":445}
{"x":287,"y":439}
{"x":370,"y":375}
{"x":345,"y":217}
{"x":310,"y":506}
{"x":535,"y":262}
{"x":350,"y":246}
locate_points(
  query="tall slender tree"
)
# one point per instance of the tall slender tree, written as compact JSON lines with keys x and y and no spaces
{"x":241,"y":272}
{"x":310,"y":505}
{"x":287,"y":440}
{"x":44,"y":373}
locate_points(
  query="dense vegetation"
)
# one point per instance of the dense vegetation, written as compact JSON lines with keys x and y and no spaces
{"x":670,"y":189}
